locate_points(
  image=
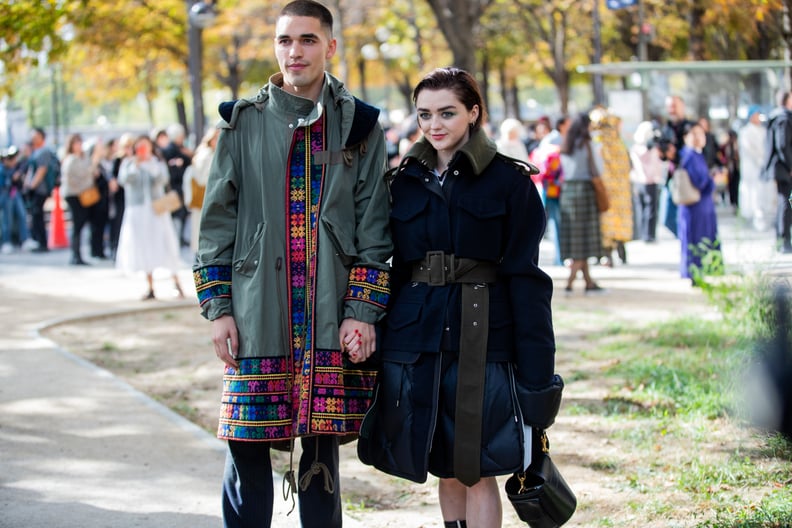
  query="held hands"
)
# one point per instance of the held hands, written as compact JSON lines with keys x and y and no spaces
{"x":226,"y":340}
{"x":357,"y":339}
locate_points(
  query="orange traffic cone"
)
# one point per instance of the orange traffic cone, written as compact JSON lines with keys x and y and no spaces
{"x":57,"y":233}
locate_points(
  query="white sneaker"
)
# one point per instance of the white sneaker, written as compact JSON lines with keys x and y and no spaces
{"x":29,"y":244}
{"x":7,"y":249}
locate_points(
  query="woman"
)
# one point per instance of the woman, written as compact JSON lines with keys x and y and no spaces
{"x":580,"y":222}
{"x":616,"y":224}
{"x":697,"y":224}
{"x":78,"y":174}
{"x":195,"y":178}
{"x":147,"y":240}
{"x":468,"y":298}
{"x":647,"y":175}
{"x":100,"y":217}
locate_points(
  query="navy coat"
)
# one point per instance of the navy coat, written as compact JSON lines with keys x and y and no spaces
{"x":488,"y":210}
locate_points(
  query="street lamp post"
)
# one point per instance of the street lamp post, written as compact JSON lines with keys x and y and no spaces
{"x":200,"y":15}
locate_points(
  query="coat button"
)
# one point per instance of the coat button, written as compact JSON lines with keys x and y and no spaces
{"x":456,"y":173}
{"x":255,"y":262}
{"x":475,"y":305}
{"x":475,"y":323}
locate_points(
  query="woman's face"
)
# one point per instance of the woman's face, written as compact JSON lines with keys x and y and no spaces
{"x":143,"y":149}
{"x":696,"y":138}
{"x":443,"y":119}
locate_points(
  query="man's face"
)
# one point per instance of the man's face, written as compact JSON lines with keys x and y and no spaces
{"x":302,"y":47}
{"x":675,"y":108}
{"x":36,"y":139}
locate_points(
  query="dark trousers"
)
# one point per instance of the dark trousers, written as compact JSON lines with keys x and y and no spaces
{"x":248,"y":490}
{"x":99,"y":221}
{"x":646,"y":205}
{"x":116,"y":219}
{"x":38,"y":230}
{"x":79,"y":217}
{"x":784,"y":215}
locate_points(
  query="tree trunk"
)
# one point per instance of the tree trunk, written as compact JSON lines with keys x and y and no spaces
{"x":458,"y":20}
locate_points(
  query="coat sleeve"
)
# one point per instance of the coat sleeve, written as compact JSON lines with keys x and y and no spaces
{"x":368,"y":288}
{"x":213,"y":260}
{"x":531,"y":290}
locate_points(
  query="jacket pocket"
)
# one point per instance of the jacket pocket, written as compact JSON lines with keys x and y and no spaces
{"x":479,"y":227}
{"x":409,"y":224}
{"x":343,"y":242}
{"x":251,"y":257}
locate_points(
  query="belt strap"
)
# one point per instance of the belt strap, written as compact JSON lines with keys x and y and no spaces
{"x":439,"y":269}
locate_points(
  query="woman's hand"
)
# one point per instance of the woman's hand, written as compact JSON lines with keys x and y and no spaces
{"x":357,"y":339}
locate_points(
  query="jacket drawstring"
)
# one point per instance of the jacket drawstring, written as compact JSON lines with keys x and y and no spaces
{"x":316,"y":468}
{"x":289,"y":485}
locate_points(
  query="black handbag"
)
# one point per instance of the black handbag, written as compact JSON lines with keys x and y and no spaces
{"x":540,"y":495}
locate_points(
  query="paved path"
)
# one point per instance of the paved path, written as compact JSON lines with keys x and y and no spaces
{"x":81,"y":448}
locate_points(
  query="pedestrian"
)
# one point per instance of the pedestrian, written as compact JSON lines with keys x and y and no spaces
{"x":510,"y":142}
{"x":178,"y":157}
{"x":547,"y":158}
{"x":778,"y":166}
{"x":757,"y":197}
{"x":43,"y":175}
{"x":195,"y":178}
{"x":581,"y":237}
{"x":616,"y":224}
{"x":674,"y":133}
{"x":648,"y":174}
{"x":117,"y":197}
{"x":470,"y":307}
{"x":78,"y":174}
{"x":292,"y":271}
{"x":697,"y":223}
{"x":147,"y":241}
{"x":100,"y":216}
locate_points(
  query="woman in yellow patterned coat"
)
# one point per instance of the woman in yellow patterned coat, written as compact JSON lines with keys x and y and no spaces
{"x":616,"y":224}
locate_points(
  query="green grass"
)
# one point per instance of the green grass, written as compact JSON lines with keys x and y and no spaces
{"x":674,"y":402}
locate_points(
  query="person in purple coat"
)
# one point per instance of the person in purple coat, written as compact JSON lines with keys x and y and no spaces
{"x":697,"y":224}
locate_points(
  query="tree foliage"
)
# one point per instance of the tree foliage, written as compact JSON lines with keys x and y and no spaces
{"x":124,"y":49}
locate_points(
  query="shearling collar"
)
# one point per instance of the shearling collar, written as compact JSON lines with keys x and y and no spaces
{"x":480,"y":150}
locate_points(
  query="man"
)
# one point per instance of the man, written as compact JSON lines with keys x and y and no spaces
{"x":778,"y":167}
{"x":39,"y":186}
{"x":674,"y":133}
{"x":178,"y":158}
{"x":291,"y":270}
{"x":757,"y":197}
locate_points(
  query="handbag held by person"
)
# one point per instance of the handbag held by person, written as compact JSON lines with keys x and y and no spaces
{"x":540,"y":495}
{"x":89,"y":197}
{"x":167,"y":203}
{"x":600,"y":194}
{"x":683,"y":192}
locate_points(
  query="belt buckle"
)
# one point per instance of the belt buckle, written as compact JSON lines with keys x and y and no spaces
{"x":435,"y":265}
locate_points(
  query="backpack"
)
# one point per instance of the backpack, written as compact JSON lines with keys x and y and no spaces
{"x":53,"y":177}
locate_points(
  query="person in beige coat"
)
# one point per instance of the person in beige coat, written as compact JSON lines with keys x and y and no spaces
{"x":78,"y":174}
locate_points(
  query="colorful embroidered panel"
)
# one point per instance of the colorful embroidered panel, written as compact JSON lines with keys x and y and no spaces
{"x":369,"y":285}
{"x":212,"y":282}
{"x":256,"y":403}
{"x":311,"y":391}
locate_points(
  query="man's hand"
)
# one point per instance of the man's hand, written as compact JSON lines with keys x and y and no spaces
{"x":226,"y":340}
{"x":357,"y":339}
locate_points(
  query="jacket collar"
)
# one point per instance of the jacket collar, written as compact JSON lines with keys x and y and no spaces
{"x":479,"y":151}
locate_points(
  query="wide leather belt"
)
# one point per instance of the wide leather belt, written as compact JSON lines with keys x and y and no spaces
{"x":439,"y":269}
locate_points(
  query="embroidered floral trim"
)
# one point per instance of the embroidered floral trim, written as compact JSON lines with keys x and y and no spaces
{"x":369,"y":285}
{"x":212,"y":282}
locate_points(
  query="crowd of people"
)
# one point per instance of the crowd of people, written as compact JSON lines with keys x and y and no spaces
{"x":109,"y":189}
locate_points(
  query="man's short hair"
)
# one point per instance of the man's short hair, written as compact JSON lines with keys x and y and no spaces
{"x":40,"y":131}
{"x":784,"y":98}
{"x":310,"y":8}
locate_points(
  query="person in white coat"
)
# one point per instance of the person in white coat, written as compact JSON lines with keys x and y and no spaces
{"x":195,"y":178}
{"x":757,"y":198}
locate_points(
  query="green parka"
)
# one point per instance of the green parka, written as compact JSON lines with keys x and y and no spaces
{"x":241,"y":263}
